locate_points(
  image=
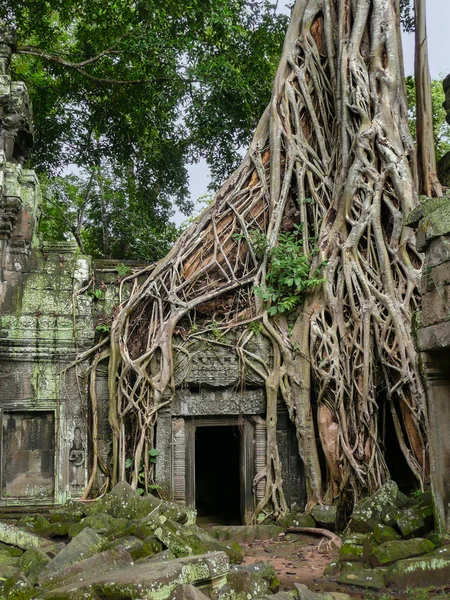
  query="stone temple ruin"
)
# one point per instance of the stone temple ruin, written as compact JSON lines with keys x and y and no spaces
{"x":46,"y":320}
{"x":215,"y":424}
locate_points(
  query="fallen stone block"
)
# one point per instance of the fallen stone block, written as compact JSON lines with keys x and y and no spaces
{"x":365,"y":578}
{"x":246,"y":533}
{"x":304,"y":593}
{"x":415,"y":521}
{"x":94,"y":566}
{"x":430,"y":570}
{"x":384,"y":533}
{"x":296,"y":519}
{"x":80,"y":547}
{"x":264,"y":570}
{"x":9,"y":534}
{"x":369,"y":511}
{"x":187,"y":592}
{"x":142,"y":581}
{"x":390,"y":552}
{"x":32,"y":563}
{"x":325,"y":516}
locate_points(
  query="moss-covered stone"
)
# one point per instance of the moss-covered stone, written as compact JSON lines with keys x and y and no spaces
{"x":415,"y":521}
{"x":246,"y":533}
{"x":10,"y":550}
{"x":296,"y":519}
{"x":369,"y":511}
{"x":429,"y":570}
{"x":325,"y":516}
{"x":19,"y":587}
{"x":265,"y":571}
{"x":365,"y":578}
{"x":101,"y":523}
{"x":32,"y":562}
{"x":390,"y":552}
{"x":383,"y":533}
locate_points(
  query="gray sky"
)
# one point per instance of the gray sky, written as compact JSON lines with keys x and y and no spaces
{"x":438,"y":24}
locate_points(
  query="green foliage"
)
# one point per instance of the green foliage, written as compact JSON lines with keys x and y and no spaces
{"x":152,"y":458}
{"x":123,"y":270}
{"x":105,"y":217}
{"x":142,"y":89}
{"x":289,"y":276}
{"x":98,"y":294}
{"x":441,"y":129}
{"x":103,"y":328}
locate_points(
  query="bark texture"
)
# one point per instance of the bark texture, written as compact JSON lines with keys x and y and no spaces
{"x":332,"y":154}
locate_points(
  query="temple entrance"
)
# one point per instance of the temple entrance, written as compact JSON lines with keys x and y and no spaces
{"x":220,"y":466}
{"x":27,"y":449}
{"x":217,"y":477}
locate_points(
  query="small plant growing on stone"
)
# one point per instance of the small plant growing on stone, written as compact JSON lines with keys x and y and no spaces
{"x":123,"y":270}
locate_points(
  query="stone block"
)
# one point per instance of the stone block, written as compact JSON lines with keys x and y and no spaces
{"x":325,"y":516}
{"x":84,"y":545}
{"x":435,"y":337}
{"x":435,"y":277}
{"x":32,"y":562}
{"x":430,"y":570}
{"x":438,"y":251}
{"x":143,"y":581}
{"x":415,"y":521}
{"x":246,"y":533}
{"x":95,"y":566}
{"x":436,"y":306}
{"x":369,"y":511}
{"x":187,"y":592}
{"x":384,"y":533}
{"x":365,"y":578}
{"x":390,"y":552}
{"x":9,"y":534}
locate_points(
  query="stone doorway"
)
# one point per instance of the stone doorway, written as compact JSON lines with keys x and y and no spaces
{"x":28,"y":456}
{"x":217,"y":477}
{"x":220,"y":468}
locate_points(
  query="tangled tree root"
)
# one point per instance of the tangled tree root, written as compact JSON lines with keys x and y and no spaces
{"x":331,"y":159}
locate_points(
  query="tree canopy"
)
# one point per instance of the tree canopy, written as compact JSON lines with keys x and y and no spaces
{"x":141,"y":89}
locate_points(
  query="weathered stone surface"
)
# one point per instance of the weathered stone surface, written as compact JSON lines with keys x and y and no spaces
{"x":140,"y":581}
{"x":32,"y":562}
{"x":353,"y":547}
{"x":124,"y":502}
{"x":325,"y":516}
{"x":365,"y":578}
{"x":191,"y":540}
{"x":242,"y":585}
{"x":369,"y":511}
{"x":246,"y":533}
{"x":96,"y":565}
{"x":390,"y":552}
{"x":163,"y":556}
{"x":9,"y":534}
{"x":264,"y":570}
{"x":415,"y":521}
{"x":296,"y":519}
{"x":303,"y":593}
{"x":80,"y":547}
{"x":435,"y":306}
{"x":430,"y":570}
{"x":384,"y":533}
{"x":18,"y":587}
{"x":435,"y":337}
{"x":101,"y":523}
{"x":187,"y":592}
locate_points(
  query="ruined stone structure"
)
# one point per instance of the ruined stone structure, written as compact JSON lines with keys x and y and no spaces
{"x":48,"y":315}
{"x":432,"y":221}
{"x":43,"y":324}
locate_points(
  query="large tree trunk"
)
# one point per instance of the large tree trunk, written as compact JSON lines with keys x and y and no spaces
{"x":332,"y":153}
{"x":428,"y":180}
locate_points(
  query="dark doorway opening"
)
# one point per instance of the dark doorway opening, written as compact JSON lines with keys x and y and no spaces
{"x":395,"y":459}
{"x":217,"y":473}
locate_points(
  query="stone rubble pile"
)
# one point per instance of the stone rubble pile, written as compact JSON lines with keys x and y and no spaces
{"x":388,"y":544}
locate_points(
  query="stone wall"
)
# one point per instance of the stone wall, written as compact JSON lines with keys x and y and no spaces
{"x":432,"y":222}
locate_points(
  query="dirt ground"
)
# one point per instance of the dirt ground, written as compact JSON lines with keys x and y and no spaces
{"x":296,"y":559}
{"x":299,"y":558}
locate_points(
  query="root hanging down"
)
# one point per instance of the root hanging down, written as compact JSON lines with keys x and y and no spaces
{"x":330,"y":166}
